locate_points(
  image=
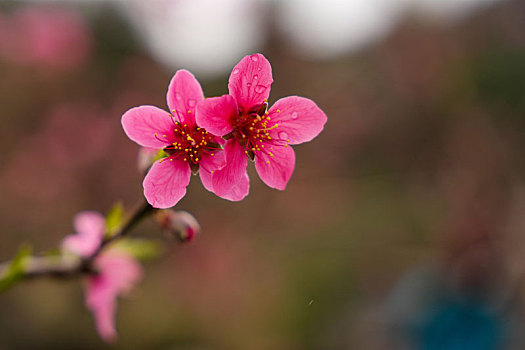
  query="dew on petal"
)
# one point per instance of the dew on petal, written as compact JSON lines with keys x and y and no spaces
{"x":255,"y":58}
{"x":294,"y":115}
{"x":192,"y":103}
{"x":236,"y":71}
{"x":283,"y":135}
{"x":178,"y":96}
{"x":255,"y":77}
{"x":260,"y":88}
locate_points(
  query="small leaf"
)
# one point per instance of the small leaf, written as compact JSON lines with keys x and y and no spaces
{"x":141,"y":249}
{"x":16,"y":269}
{"x":160,"y":154}
{"x":114,"y":218}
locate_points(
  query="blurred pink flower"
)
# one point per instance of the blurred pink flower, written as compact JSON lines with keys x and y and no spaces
{"x":189,"y":147}
{"x":45,"y":36}
{"x":242,"y":118}
{"x":64,"y":158}
{"x":117,"y":271}
{"x":90,"y":227}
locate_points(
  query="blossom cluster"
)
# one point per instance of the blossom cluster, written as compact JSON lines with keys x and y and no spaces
{"x":214,"y":137}
{"x":211,"y":137}
{"x":117,"y":271}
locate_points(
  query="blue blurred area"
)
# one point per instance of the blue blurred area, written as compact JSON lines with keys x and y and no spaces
{"x":459,"y":324}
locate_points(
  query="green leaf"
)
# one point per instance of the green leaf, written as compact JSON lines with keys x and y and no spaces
{"x":160,"y":154}
{"x":16,"y":269}
{"x":114,"y":218}
{"x":141,"y":249}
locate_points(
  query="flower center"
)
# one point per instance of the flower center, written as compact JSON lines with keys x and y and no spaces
{"x":253,"y":131}
{"x":189,"y":142}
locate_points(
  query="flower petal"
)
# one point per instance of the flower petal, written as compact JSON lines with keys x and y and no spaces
{"x":142,"y":123}
{"x":117,"y":274}
{"x":275,"y":171}
{"x":208,"y":165}
{"x":216,"y":114}
{"x":90,"y":227}
{"x":231,"y":182}
{"x":299,"y":119}
{"x":101,"y":300}
{"x":165,"y":184}
{"x":240,"y":190}
{"x":121,"y":270}
{"x":90,"y":223}
{"x":184,"y":92}
{"x":250,"y":81}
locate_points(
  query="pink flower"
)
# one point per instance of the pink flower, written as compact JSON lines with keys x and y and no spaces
{"x":116,"y":271}
{"x":45,"y":36}
{"x":265,"y":135}
{"x":189,"y":147}
{"x":90,"y":227}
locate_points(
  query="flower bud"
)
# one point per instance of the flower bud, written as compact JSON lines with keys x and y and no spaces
{"x":178,"y":224}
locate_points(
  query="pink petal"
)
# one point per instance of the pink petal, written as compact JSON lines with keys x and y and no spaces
{"x":80,"y":245}
{"x":275,"y":171}
{"x":240,"y":190}
{"x":165,"y":183}
{"x":209,"y":164}
{"x":250,"y":81}
{"x":101,"y":300}
{"x":142,"y":123}
{"x":231,"y":182}
{"x":184,"y":92}
{"x":216,"y":114}
{"x":90,"y":223}
{"x":117,"y":274}
{"x":299,"y":119}
{"x":120,"y":269}
{"x":90,"y":227}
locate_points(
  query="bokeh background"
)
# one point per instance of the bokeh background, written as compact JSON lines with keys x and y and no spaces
{"x":401,"y":228}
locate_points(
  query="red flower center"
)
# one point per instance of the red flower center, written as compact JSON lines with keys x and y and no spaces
{"x":253,"y":131}
{"x":189,"y":142}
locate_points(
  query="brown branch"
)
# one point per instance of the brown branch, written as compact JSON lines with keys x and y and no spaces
{"x":67,"y":266}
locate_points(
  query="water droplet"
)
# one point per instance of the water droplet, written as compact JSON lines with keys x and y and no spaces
{"x":255,"y":77}
{"x":192,"y":103}
{"x":255,"y":58}
{"x":249,"y":84}
{"x":260,"y":88}
{"x":178,"y":96}
{"x":283,"y":135}
{"x":236,"y":71}
{"x":294,"y":115}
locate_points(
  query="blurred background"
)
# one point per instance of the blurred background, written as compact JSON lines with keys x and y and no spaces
{"x":401,"y":228}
